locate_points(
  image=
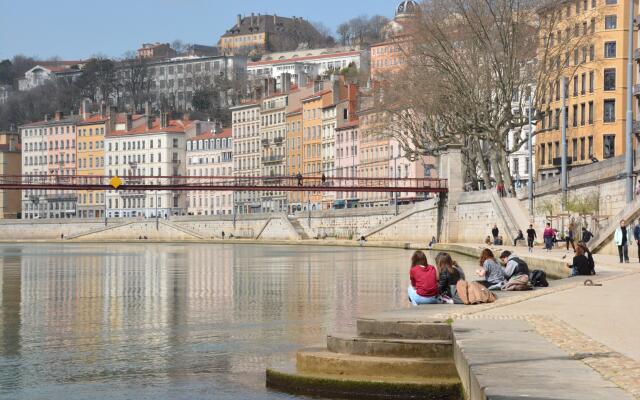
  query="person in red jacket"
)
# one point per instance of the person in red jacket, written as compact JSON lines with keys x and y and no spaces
{"x":424,"y":281}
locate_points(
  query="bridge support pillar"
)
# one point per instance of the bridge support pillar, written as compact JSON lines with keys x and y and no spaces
{"x":450,"y":168}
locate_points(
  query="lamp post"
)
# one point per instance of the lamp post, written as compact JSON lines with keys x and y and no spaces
{"x":530,"y":159}
{"x":563,"y":145}
{"x":395,"y":182}
{"x":134,"y":166}
{"x":629,"y":127}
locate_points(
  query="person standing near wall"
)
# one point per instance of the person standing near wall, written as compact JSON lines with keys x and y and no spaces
{"x":622,"y":238}
{"x":548,"y":236}
{"x":494,"y":232}
{"x":636,"y":237}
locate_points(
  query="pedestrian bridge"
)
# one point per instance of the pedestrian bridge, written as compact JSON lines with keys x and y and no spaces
{"x":223,"y":183}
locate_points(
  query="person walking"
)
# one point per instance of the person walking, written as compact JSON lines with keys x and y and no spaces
{"x":531,"y":237}
{"x":569,"y":237}
{"x":494,"y":232}
{"x":548,"y":236}
{"x":299,"y":178}
{"x":621,"y":238}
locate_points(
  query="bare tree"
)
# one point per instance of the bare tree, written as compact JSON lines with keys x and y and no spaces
{"x":362,"y":30}
{"x":135,"y":80}
{"x":467,"y":71}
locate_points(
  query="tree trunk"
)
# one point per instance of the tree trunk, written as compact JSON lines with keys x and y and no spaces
{"x":484,"y":169}
{"x":506,"y":174}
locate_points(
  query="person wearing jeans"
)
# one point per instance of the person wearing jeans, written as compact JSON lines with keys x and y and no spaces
{"x":636,"y":237}
{"x":622,"y":237}
{"x":424,"y":281}
{"x":548,"y":236}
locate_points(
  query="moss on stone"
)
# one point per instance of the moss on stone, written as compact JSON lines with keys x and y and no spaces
{"x":362,"y":389}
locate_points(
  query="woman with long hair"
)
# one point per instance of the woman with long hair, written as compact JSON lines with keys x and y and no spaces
{"x":490,"y":270}
{"x":424,"y":280}
{"x":587,"y":253}
{"x":580,"y":264}
{"x":450,"y":274}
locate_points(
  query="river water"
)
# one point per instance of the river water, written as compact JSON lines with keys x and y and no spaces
{"x":177,"y":321}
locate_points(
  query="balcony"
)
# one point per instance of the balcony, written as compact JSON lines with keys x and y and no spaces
{"x":278,"y":141}
{"x":265,"y":142}
{"x":53,"y":198}
{"x":272,"y":159}
{"x":128,"y":194}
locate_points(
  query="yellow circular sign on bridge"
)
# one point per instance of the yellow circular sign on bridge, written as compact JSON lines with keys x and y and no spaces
{"x":116,"y":182}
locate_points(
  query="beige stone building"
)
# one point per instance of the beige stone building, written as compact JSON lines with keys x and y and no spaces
{"x":10,"y":164}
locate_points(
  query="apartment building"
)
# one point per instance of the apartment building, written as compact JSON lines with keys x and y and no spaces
{"x":273,"y":132}
{"x":91,"y":130}
{"x":153,"y":148}
{"x":247,"y":152}
{"x":595,"y":84}
{"x":347,"y":160}
{"x":50,"y":149}
{"x":210,"y":154}
{"x":10,"y":164}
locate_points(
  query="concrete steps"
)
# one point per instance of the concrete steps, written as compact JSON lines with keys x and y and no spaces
{"x":382,"y":347}
{"x":383,"y":359}
{"x":298,"y":228}
{"x":317,"y":360}
{"x":371,"y":328}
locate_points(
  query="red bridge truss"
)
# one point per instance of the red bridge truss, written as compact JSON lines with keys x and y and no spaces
{"x":223,"y":183}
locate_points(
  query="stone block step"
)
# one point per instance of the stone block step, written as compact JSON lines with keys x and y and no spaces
{"x":285,"y":377}
{"x":389,"y":347}
{"x":322,"y":361}
{"x":374,"y":328}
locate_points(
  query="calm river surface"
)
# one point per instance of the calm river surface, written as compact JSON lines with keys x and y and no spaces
{"x":177,"y":321}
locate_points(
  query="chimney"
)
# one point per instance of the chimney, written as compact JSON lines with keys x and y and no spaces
{"x":46,"y":117}
{"x":286,"y":82}
{"x":164,"y":120}
{"x":149,"y":122}
{"x":275,"y":19}
{"x":239,"y":21}
{"x":112,"y":115}
{"x":84,"y":112}
{"x":129,"y":121}
{"x":58,"y":115}
{"x":252,"y":16}
{"x":335,"y":89}
{"x":147,"y":108}
{"x":102,"y":109}
{"x":198,"y":126}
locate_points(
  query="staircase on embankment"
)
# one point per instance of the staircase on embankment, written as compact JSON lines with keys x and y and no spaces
{"x":629,"y":214}
{"x":383,"y":360}
{"x":298,"y":228}
{"x":512,"y":215}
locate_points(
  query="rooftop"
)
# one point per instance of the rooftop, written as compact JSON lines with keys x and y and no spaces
{"x":174,"y":126}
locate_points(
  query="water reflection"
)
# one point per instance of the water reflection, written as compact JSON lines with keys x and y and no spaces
{"x":173,"y":320}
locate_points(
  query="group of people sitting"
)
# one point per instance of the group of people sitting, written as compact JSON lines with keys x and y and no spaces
{"x":437,"y":284}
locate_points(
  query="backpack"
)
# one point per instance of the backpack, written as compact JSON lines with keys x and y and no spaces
{"x":522,"y":268}
{"x":474,"y":293}
{"x":538,"y":278}
{"x":518,"y":283}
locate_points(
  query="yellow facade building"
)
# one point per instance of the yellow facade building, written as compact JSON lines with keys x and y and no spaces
{"x":10,"y":164}
{"x":90,"y":162}
{"x":589,"y":39}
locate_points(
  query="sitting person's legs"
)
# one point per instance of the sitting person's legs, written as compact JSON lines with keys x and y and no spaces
{"x":416,"y":299}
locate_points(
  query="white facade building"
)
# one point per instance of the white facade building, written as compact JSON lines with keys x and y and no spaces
{"x":247,"y":153}
{"x":303,"y":65}
{"x":155,"y":148}
{"x":273,"y":132}
{"x":210,"y":155}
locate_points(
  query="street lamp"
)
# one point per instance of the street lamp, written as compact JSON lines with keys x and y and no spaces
{"x":134,"y":166}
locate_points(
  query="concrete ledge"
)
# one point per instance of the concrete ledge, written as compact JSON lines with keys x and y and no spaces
{"x":506,"y":359}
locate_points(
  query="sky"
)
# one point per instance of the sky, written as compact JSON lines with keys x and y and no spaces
{"x":74,"y":29}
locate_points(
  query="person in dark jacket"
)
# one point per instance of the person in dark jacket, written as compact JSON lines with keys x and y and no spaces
{"x":531,"y":237}
{"x":580,"y":264}
{"x":450,"y":274}
{"x":513,"y":265}
{"x":586,"y":235}
{"x":494,"y":232}
{"x":587,"y":253}
{"x":636,"y":236}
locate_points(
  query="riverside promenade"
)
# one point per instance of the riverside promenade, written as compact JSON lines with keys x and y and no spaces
{"x":568,"y":341}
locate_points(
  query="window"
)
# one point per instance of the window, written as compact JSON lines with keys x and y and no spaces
{"x":590,"y":112}
{"x":592,"y":53}
{"x":542,"y":159}
{"x":610,"y":22}
{"x":609,"y":110}
{"x":592,"y":78}
{"x":590,"y":148}
{"x":575,"y":115}
{"x":583,"y":88}
{"x":583,"y":112}
{"x":609,"y":146}
{"x":574,"y":153}
{"x":582,"y":142}
{"x":609,"y":49}
{"x":610,"y":79}
{"x":575,"y":85}
{"x":610,"y":2}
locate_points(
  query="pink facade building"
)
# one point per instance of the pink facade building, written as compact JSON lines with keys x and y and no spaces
{"x":346,"y":161}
